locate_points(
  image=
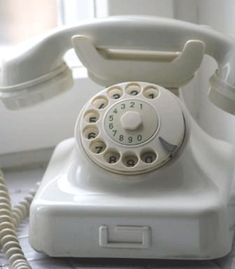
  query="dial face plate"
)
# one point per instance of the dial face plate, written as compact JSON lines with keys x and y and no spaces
{"x":131,"y":128}
{"x":131,"y":122}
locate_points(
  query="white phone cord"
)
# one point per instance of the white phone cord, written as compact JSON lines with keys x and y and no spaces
{"x":9,"y":220}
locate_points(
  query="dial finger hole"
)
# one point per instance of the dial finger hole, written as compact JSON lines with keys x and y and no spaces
{"x":148,"y":156}
{"x":151,"y":92}
{"x":97,"y":146}
{"x":115,"y":93}
{"x":100,"y":102}
{"x":91,"y":116}
{"x":130,"y":160}
{"x":112,"y":156}
{"x":90,"y":132}
{"x":133,"y":89}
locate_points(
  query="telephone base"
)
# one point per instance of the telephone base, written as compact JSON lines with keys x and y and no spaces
{"x":181,"y":213}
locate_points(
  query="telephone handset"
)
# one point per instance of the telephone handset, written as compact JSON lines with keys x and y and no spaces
{"x":140,"y":179}
{"x":162,"y":51}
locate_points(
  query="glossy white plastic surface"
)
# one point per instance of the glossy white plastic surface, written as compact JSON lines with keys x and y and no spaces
{"x":38,"y":90}
{"x":183,"y":211}
{"x":170,"y":69}
{"x":158,"y":50}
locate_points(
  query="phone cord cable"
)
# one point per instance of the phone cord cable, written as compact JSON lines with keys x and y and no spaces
{"x":10,"y":218}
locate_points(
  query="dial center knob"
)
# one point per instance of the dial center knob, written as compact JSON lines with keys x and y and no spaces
{"x":131,"y":120}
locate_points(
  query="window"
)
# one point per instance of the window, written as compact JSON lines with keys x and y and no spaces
{"x":22,"y":19}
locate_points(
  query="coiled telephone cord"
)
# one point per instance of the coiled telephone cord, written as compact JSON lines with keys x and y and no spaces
{"x":10,"y":218}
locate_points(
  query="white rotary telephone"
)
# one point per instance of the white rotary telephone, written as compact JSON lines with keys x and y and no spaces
{"x":140,"y":178}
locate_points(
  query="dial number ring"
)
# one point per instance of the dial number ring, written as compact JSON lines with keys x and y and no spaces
{"x":146,"y":125}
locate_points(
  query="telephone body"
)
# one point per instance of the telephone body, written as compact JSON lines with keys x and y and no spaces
{"x":140,"y":178}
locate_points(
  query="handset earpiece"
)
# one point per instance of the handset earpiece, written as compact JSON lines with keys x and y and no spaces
{"x":37,"y":90}
{"x":35,"y":73}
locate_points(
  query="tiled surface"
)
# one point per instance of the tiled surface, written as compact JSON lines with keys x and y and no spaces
{"x":20,"y":181}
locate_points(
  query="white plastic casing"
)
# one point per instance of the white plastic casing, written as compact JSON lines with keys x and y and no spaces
{"x":184,"y":210}
{"x":37,"y":90}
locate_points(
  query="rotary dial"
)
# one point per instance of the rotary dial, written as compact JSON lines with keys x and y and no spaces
{"x":131,"y":127}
